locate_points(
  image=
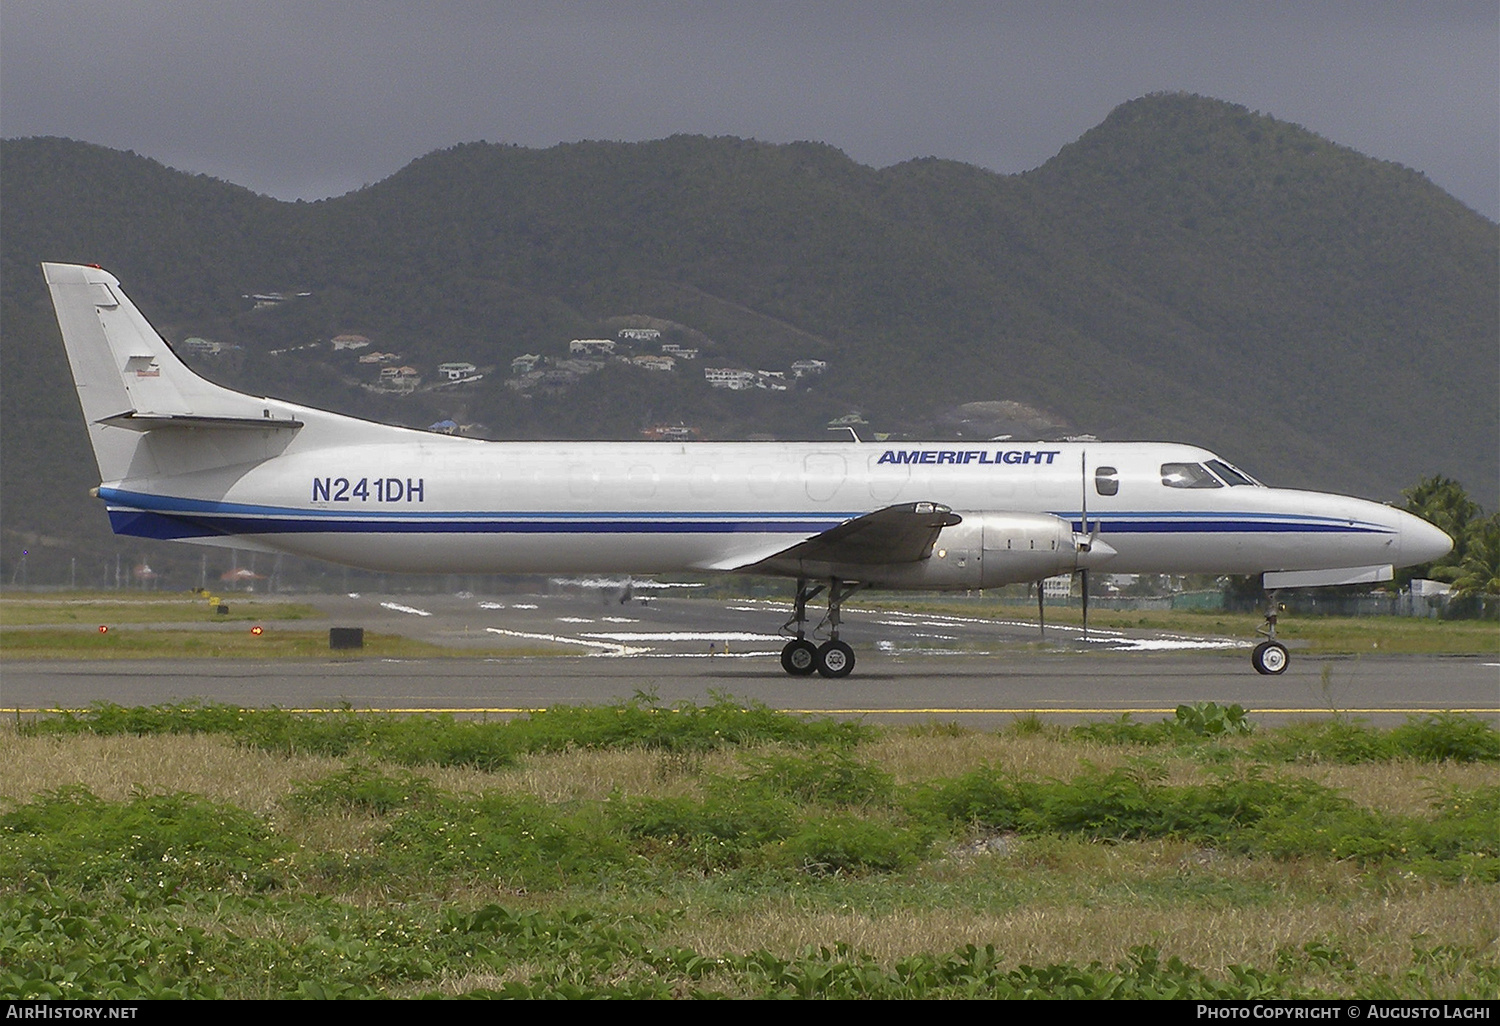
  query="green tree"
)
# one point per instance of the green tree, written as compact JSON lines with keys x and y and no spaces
{"x":1479,"y":572}
{"x":1442,"y":502}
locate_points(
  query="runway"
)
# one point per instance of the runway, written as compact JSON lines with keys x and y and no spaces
{"x":912,"y":666}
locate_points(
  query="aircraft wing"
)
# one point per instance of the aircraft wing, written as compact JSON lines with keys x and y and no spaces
{"x":896,"y":534}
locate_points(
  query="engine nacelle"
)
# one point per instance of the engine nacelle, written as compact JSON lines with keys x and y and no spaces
{"x":988,"y":549}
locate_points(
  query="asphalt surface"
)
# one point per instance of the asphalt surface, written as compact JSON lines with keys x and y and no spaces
{"x":911,"y":666}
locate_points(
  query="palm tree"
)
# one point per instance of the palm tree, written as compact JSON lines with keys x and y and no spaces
{"x":1479,"y":573}
{"x":1442,"y":501}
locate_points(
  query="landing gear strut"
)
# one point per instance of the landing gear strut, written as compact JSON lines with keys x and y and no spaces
{"x":1269,"y":657}
{"x":833,"y":658}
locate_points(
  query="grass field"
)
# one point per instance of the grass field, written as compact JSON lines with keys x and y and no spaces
{"x":19,"y":610}
{"x":639,"y":850}
{"x":239,"y":643}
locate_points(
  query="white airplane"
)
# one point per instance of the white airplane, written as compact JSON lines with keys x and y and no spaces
{"x":181,"y":458}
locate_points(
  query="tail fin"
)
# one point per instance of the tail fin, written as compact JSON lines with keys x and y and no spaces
{"x":131,"y":384}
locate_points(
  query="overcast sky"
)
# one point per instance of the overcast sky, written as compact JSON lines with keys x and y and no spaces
{"x":312,"y":99}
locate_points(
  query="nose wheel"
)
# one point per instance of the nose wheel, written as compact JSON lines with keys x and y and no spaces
{"x":1270,"y":656}
{"x":801,"y":657}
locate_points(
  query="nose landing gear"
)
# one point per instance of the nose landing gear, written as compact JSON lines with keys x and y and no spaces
{"x":1270,"y":656}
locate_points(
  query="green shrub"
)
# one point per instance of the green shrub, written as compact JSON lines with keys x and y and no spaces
{"x":361,"y":788}
{"x":822,"y":778}
{"x":1337,"y":741}
{"x":151,"y":844}
{"x":1209,"y":719}
{"x":517,"y":840}
{"x":1125,"y":731}
{"x":57,"y":947}
{"x":1118,"y":804}
{"x":704,"y":835}
{"x":1446,"y":738}
{"x":444,"y":741}
{"x":1031,"y":725}
{"x":642,"y":722}
{"x":847,"y":843}
{"x":1433,"y":738}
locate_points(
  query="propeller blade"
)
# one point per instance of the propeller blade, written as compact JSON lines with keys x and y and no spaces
{"x":1085,"y":575}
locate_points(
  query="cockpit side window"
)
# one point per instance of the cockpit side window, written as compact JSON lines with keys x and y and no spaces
{"x":1230,"y":475}
{"x":1107,"y":481}
{"x":1187,"y":475}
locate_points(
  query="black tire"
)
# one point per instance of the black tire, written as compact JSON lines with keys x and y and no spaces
{"x":835,"y":659}
{"x":1270,"y":658}
{"x":799,"y":657}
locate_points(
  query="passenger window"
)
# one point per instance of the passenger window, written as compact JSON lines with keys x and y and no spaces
{"x":1187,"y":475}
{"x":1107,"y":481}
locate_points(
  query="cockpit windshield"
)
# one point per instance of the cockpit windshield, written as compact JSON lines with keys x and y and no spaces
{"x":1187,"y":475}
{"x":1230,"y":475}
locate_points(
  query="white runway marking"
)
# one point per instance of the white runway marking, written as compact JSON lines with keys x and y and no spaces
{"x":398,"y":607}
{"x":1167,"y":644}
{"x":614,"y":650}
{"x":687,"y":636}
{"x":605,"y":582}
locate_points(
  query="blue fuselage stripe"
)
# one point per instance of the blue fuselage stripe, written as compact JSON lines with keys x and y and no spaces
{"x":166,"y":517}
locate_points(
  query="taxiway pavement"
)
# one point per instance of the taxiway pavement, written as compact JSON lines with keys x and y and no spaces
{"x":911,"y":665}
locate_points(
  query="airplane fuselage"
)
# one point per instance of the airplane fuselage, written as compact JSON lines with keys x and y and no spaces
{"x":441,"y":504}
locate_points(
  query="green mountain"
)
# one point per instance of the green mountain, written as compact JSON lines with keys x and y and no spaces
{"x":1186,"y":270}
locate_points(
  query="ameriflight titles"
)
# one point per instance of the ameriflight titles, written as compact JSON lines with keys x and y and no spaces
{"x":965,"y":456}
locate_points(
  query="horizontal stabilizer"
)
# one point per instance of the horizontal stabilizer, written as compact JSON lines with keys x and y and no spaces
{"x":1327,"y":578}
{"x":152,"y":421}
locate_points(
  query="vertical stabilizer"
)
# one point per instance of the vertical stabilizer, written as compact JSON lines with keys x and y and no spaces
{"x":129,"y":380}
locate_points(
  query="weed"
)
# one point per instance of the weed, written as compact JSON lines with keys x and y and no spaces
{"x":1032,"y":725}
{"x":152,"y":844}
{"x":517,"y":841}
{"x":1435,"y":738}
{"x":1209,"y":719}
{"x":1126,"y":731}
{"x":1337,"y":741}
{"x":1446,"y":738}
{"x":444,"y":741}
{"x":361,"y":788}
{"x":822,"y":778}
{"x":938,"y":728}
{"x":847,"y":843}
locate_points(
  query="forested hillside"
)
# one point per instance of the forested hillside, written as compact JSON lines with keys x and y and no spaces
{"x":1187,"y":270}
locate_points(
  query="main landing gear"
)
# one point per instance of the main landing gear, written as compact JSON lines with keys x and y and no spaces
{"x":833,"y":658}
{"x":1269,"y":657}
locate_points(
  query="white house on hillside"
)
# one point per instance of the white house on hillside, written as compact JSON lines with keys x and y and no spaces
{"x":729,"y":377}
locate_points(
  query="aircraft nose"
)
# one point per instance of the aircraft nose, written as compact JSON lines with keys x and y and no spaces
{"x":1421,"y":542}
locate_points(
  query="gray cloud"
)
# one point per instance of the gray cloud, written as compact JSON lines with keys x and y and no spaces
{"x":314,"y":99}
